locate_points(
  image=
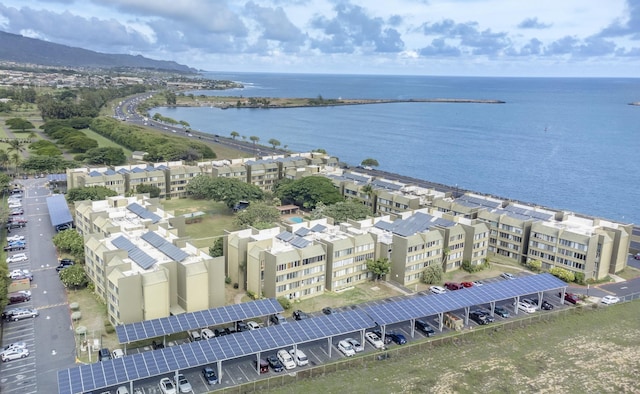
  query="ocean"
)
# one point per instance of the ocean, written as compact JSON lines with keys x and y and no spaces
{"x":563,"y":143}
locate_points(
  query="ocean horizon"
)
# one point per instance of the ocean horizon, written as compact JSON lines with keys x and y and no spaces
{"x":563,"y":143}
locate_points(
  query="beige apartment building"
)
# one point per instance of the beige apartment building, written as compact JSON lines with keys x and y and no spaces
{"x":140,"y":263}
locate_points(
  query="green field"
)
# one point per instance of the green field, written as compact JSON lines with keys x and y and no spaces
{"x":591,"y":351}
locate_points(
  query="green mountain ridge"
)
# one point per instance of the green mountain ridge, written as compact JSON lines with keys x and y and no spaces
{"x":20,"y":49}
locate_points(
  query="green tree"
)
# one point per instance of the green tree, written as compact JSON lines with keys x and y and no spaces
{"x":534,"y":265}
{"x":108,"y":155}
{"x":380,"y":267}
{"x":320,"y":150}
{"x":285,"y":303}
{"x":308,"y":191}
{"x":154,"y":191}
{"x":228,"y":190}
{"x":70,"y":241}
{"x":19,"y":124}
{"x":74,"y":277}
{"x":254,"y":139}
{"x":274,"y":143}
{"x":344,"y":210}
{"x":234,"y":134}
{"x":370,"y":162}
{"x":4,"y":159}
{"x":432,"y":274}
{"x":259,"y":215}
{"x":563,"y":274}
{"x":38,"y":163}
{"x":93,"y":193}
{"x":15,"y":146}
{"x":217,"y":249}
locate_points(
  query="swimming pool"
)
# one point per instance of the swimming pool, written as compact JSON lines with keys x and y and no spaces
{"x":296,"y":219}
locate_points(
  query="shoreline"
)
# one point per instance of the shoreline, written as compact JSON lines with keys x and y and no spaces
{"x":278,"y":103}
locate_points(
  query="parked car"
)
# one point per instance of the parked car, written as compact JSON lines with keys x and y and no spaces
{"x":424,"y":327}
{"x":156,"y":345}
{"x":437,"y":290}
{"x":277,"y":319}
{"x":387,"y":339}
{"x":530,"y":302}
{"x":15,"y":298}
{"x":183,"y":384}
{"x":123,"y":390}
{"x":20,"y":274}
{"x":478,"y":283}
{"x":274,"y":363}
{"x":207,"y":333}
{"x":397,"y":338}
{"x":300,"y":315}
{"x":263,"y":367}
{"x":526,"y":307}
{"x":610,"y":299}
{"x":104,"y":354}
{"x":167,"y":386}
{"x":209,"y":375}
{"x":467,"y":284}
{"x":18,"y":257}
{"x":19,"y":314}
{"x":546,"y":305}
{"x":253,"y":325}
{"x":15,"y":238}
{"x":479,"y":318}
{"x":194,"y":336}
{"x":299,"y":357}
{"x":14,"y":354}
{"x":570,"y":298}
{"x":17,"y":245}
{"x":117,"y":353}
{"x":501,"y":311}
{"x":453,"y":286}
{"x":64,"y":263}
{"x":346,"y":348}
{"x":374,"y":340}
{"x":357,"y":346}
{"x":241,"y":326}
{"x":506,"y":275}
{"x":14,"y":345}
{"x":286,"y":359}
{"x":637,"y":256}
{"x":327,"y":310}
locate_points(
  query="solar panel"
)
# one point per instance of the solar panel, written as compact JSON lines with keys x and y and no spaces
{"x":194,"y":320}
{"x":138,"y":256}
{"x":169,"y":249}
{"x":318,"y":228}
{"x":58,"y":210}
{"x":143,"y":213}
{"x":414,"y":307}
{"x":285,"y":236}
{"x":300,"y":242}
{"x":302,"y":231}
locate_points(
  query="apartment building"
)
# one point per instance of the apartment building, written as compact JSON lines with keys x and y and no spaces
{"x":142,"y":265}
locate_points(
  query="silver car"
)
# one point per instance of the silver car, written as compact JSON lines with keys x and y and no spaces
{"x":14,"y":354}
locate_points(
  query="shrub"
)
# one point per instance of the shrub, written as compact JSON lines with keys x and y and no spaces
{"x":534,"y":265}
{"x":432,"y":274}
{"x":227,"y":280}
{"x":108,"y":328}
{"x":563,"y":274}
{"x":285,"y":303}
{"x":579,"y":278}
{"x":251,"y":294}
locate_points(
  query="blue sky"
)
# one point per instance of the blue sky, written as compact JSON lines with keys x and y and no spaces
{"x":579,"y":38}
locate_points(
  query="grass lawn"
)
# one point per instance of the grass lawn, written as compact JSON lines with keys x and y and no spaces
{"x":105,"y":142}
{"x":218,"y":218}
{"x":593,"y":351}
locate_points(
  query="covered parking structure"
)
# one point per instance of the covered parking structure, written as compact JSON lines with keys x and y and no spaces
{"x":126,"y":370}
{"x":410,"y":309}
{"x":59,"y":213}
{"x":164,"y":326}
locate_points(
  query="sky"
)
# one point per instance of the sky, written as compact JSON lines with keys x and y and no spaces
{"x":537,"y":38}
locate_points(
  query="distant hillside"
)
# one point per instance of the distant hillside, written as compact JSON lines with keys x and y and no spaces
{"x":19,"y":49}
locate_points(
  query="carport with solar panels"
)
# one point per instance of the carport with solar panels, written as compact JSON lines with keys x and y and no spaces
{"x":114,"y":372}
{"x":410,"y":309}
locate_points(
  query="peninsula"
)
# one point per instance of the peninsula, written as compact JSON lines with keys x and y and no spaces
{"x":274,"y":102}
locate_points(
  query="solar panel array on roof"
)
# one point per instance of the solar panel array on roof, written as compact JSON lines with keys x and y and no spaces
{"x":415,"y":307}
{"x":285,"y":236}
{"x":166,"y":247}
{"x":384,"y":225}
{"x":58,"y":210}
{"x":123,"y":171}
{"x":528,"y":212}
{"x":95,"y":173}
{"x":318,"y":228}
{"x":356,"y":177}
{"x":386,"y":185}
{"x":57,"y":177}
{"x":143,"y":365}
{"x":300,"y":242}
{"x":468,"y":200}
{"x":136,"y":254}
{"x":143,"y":213}
{"x":195,"y":320}
{"x":109,"y":172}
{"x":302,"y":231}
{"x":137,"y":170}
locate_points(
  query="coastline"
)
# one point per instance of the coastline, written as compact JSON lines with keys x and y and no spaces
{"x":277,"y":103}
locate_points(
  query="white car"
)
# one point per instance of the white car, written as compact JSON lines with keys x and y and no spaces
{"x":523,"y":306}
{"x":183,"y":384}
{"x":286,"y":359}
{"x":17,"y":273}
{"x":530,"y":303}
{"x":14,"y":346}
{"x":16,"y":258}
{"x":507,"y":275}
{"x":14,"y":238}
{"x":167,"y":386}
{"x":609,"y":299}
{"x":207,"y":333}
{"x":253,"y":325}
{"x":14,"y":354}
{"x":478,"y":283}
{"x":117,"y":353}
{"x":374,"y":340}
{"x":355,"y":344}
{"x":346,"y":348}
{"x":299,"y":357}
{"x":437,"y":290}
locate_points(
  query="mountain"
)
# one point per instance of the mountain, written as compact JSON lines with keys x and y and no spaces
{"x":20,"y":49}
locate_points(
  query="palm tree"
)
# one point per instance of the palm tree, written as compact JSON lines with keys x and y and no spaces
{"x":4,"y":158}
{"x":15,"y":159}
{"x":255,"y":139}
{"x":234,"y":134}
{"x":15,"y":145}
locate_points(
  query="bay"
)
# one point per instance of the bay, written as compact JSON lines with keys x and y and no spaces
{"x":564,"y":143}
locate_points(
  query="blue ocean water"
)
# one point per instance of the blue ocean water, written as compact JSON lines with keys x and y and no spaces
{"x":565,"y":143}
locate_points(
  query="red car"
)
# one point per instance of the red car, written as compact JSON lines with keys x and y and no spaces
{"x":570,"y":297}
{"x":453,"y":286}
{"x":467,"y":284}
